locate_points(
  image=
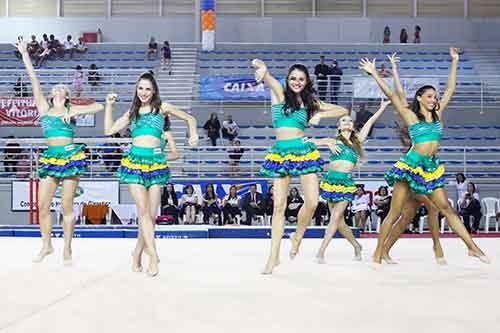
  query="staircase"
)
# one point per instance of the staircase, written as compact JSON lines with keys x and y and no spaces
{"x":177,"y":86}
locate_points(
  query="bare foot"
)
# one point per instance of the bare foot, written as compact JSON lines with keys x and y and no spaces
{"x":357,"y":252}
{"x":45,"y":251}
{"x":136,"y":262}
{"x":67,"y":257}
{"x":294,"y":250}
{"x":320,"y":259}
{"x":439,"y":256}
{"x":377,"y":258}
{"x":271,"y":263}
{"x":387,"y":259}
{"x":153,"y":269}
{"x":480,"y":255}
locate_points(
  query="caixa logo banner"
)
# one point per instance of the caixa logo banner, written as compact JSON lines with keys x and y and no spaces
{"x":232,"y":87}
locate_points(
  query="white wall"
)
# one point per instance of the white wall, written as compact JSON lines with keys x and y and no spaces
{"x":260,"y":29}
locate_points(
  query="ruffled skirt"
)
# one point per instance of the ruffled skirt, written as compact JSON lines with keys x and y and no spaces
{"x":62,"y":161}
{"x":337,"y":186}
{"x":144,"y":166}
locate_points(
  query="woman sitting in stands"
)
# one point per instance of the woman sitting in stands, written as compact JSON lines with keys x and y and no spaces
{"x":170,"y":204}
{"x":231,"y":207}
{"x":63,"y":162}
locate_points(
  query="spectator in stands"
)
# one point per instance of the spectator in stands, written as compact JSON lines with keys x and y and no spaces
{"x":80,"y":47}
{"x":461,"y":184}
{"x":321,"y":71}
{"x":321,"y":210}
{"x":78,"y":81}
{"x":235,"y":155}
{"x":269,"y":202}
{"x":210,"y":206}
{"x":212,"y":126}
{"x":360,"y":207}
{"x":152,"y":49}
{"x":167,"y":57}
{"x":112,"y":154}
{"x":387,"y":35}
{"x":470,"y":206}
{"x":335,"y":81}
{"x":12,"y":154}
{"x":253,"y":204}
{"x":56,"y":47}
{"x":93,"y":76}
{"x":17,"y":54}
{"x":189,"y":204}
{"x":293,"y":204}
{"x":383,"y":71}
{"x":231,"y":207}
{"x":229,"y":128}
{"x":417,"y":35}
{"x":20,"y":88}
{"x":44,"y":43}
{"x":33,"y":47}
{"x":403,"y":36}
{"x":170,"y":204}
{"x":44,"y":52}
{"x":362,"y":116}
{"x":69,"y":46}
{"x":382,"y":202}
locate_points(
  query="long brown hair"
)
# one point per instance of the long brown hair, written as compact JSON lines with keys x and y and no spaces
{"x":356,"y":144}
{"x":155,"y":99}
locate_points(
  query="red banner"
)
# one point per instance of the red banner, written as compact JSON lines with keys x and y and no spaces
{"x":21,"y":111}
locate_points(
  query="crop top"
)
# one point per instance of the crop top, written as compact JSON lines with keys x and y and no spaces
{"x":346,"y":154}
{"x":148,"y":124}
{"x":55,"y":126}
{"x":425,"y":131}
{"x":295,"y":119}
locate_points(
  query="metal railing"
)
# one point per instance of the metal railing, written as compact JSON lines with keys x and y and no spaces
{"x":104,"y":154}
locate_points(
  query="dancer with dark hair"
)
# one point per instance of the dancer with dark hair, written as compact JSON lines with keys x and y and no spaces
{"x":63,"y":161}
{"x":293,"y":107}
{"x":419,"y":170}
{"x":337,"y":186}
{"x":145,"y":167}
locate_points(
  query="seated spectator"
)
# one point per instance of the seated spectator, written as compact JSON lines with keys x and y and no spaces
{"x":20,"y":88}
{"x":44,"y":51}
{"x":469,"y":206}
{"x":360,"y":206}
{"x":44,"y":43}
{"x":170,"y":204}
{"x":189,"y":205}
{"x":56,"y":47}
{"x":12,"y":154}
{"x":413,"y":226}
{"x":387,"y":35}
{"x":78,"y":81}
{"x":152,"y":48}
{"x":210,"y":206}
{"x":34,"y":48}
{"x":69,"y":46}
{"x":382,"y":202}
{"x":253,"y":204}
{"x":93,"y":76}
{"x":293,"y":204}
{"x":167,"y":57}
{"x":321,"y":211}
{"x":384,"y":72}
{"x":229,"y":128}
{"x":231,"y":207}
{"x":403,"y":37}
{"x":461,"y":185}
{"x":80,"y":47}
{"x":269,"y":202}
{"x":212,"y":126}
{"x":235,"y":155}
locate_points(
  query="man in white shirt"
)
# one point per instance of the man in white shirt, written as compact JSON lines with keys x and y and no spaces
{"x":229,"y":128}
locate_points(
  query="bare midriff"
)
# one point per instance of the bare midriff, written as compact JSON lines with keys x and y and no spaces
{"x":341,"y":166}
{"x":147,"y":141}
{"x":429,"y":148}
{"x":286,"y":133}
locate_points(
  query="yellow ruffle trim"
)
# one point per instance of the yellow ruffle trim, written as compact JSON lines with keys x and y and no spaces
{"x":58,"y":161}
{"x":314,"y":155}
{"x":143,"y":167}
{"x":428,"y":176}
{"x":337,"y":188}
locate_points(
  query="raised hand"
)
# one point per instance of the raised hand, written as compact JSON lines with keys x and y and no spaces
{"x":394,"y":59}
{"x":454,"y":53}
{"x":314,"y":121}
{"x":335,"y":149}
{"x":193,"y":140}
{"x":260,"y":69}
{"x":111,"y":99}
{"x":173,"y":155}
{"x":368,"y":66}
{"x":21,"y":45}
{"x":384,"y":103}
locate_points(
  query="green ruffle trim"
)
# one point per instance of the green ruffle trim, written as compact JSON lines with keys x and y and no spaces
{"x":283,"y":172}
{"x":296,"y":147}
{"x":415,"y":187}
{"x":334,"y":178}
{"x":161,"y":179}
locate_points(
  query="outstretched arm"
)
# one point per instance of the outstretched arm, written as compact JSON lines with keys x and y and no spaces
{"x":80,"y":110}
{"x":111,"y":127}
{"x":394,"y":59}
{"x":40,"y":101}
{"x":370,"y":68}
{"x":190,"y":120}
{"x":262,"y":74}
{"x":363,"y":134}
{"x":327,"y":110}
{"x":331,"y":143}
{"x":452,"y":79}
